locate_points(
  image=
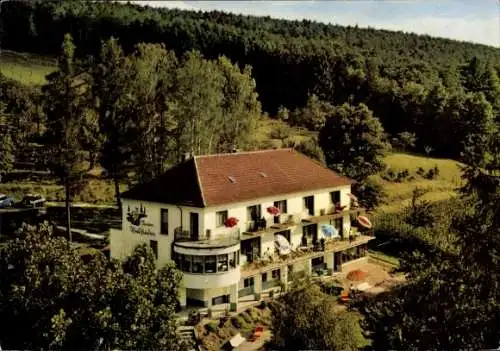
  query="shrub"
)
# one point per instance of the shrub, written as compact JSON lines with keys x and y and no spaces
{"x":247,"y":317}
{"x":420,"y":171}
{"x":436,"y":171}
{"x":431,"y":174}
{"x":369,"y":193}
{"x":389,"y":175}
{"x":402,"y":175}
{"x":211,"y":327}
{"x":238,"y":322}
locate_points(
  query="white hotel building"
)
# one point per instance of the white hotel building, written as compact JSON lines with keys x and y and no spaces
{"x":189,"y":215}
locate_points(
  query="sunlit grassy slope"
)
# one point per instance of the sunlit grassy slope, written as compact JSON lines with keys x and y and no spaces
{"x":27,"y":69}
{"x":399,"y":194}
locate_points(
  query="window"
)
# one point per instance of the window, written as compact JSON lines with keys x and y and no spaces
{"x":254,"y":212}
{"x":222,"y":263}
{"x":281,"y":205}
{"x":310,"y":230}
{"x":221,"y":218}
{"x":335,"y":197}
{"x":233,"y":259}
{"x":193,"y":225}
{"x":339,"y":225}
{"x":276,"y":274}
{"x":153,"y":244}
{"x":317,"y":261}
{"x":264,"y":277}
{"x":248,"y":282}
{"x":309,"y":204}
{"x":210,"y":264}
{"x":197,"y":264}
{"x":164,"y":221}
{"x":186,"y":263}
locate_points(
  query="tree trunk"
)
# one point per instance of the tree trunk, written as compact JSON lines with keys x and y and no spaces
{"x":92,"y":158}
{"x":117,"y":192}
{"x":68,"y":210}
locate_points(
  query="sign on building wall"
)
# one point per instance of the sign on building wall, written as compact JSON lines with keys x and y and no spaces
{"x":138,"y":219}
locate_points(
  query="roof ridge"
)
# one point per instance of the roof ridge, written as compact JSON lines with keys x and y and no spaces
{"x":243,"y":152}
{"x":198,"y":180}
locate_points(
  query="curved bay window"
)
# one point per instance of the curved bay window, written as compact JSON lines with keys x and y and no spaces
{"x":233,"y":257}
{"x":197,"y":264}
{"x":186,"y":263}
{"x":222,"y":263}
{"x":210,"y":264}
{"x":207,"y":264}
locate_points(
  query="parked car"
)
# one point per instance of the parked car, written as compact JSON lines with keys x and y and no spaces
{"x":33,"y":201}
{"x":6,"y":201}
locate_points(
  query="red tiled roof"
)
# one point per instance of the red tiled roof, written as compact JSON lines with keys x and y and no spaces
{"x":228,"y":178}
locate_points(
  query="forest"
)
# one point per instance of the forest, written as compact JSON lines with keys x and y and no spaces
{"x":413,"y":83}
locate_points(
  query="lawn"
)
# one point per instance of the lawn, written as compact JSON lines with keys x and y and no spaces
{"x":26,"y":68}
{"x":267,"y":128}
{"x":399,"y":193}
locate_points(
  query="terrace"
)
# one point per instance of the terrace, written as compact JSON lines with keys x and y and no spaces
{"x":333,"y":245}
{"x":333,"y":213}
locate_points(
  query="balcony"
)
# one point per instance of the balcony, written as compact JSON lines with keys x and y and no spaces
{"x":276,"y":261}
{"x":212,"y":239}
{"x":333,"y":213}
{"x":260,"y":227}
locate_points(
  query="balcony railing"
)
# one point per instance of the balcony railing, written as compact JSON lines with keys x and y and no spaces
{"x":306,"y":253}
{"x":332,"y":213}
{"x":185,"y":235}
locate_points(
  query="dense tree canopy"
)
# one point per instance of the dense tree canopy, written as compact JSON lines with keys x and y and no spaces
{"x":451,"y":299}
{"x":313,"y":324}
{"x":405,"y":79}
{"x":51,"y":299}
{"x":353,"y":141}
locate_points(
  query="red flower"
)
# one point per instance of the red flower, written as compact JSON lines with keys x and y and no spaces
{"x":231,"y":222}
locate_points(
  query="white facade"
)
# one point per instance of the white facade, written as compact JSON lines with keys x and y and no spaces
{"x":205,"y":286}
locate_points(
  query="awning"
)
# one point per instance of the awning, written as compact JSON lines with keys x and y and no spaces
{"x":236,"y":340}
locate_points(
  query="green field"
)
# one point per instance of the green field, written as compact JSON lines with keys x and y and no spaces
{"x":26,"y":68}
{"x":441,"y":188}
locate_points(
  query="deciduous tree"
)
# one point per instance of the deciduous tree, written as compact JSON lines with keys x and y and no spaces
{"x":51,"y":299}
{"x":65,"y":108}
{"x":353,"y":141}
{"x":313,"y":323}
{"x":111,"y":80}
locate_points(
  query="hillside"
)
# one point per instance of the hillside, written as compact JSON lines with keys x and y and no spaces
{"x":399,"y":194}
{"x":285,"y":55}
{"x":26,"y":68}
{"x":412,"y":83}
